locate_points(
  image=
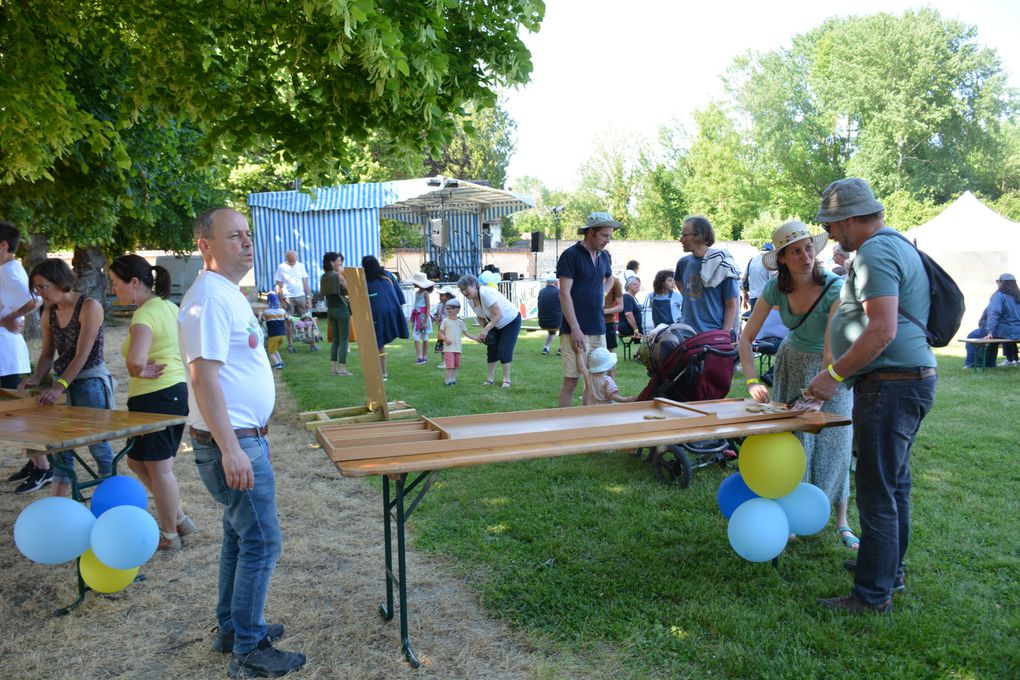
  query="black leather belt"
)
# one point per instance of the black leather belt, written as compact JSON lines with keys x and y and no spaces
{"x":206,"y":438}
{"x":910,"y":374}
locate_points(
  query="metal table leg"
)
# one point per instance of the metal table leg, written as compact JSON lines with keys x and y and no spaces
{"x":397,"y":511}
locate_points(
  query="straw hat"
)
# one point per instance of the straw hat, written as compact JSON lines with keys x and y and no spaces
{"x":601,"y":360}
{"x":422,"y":281}
{"x":791,"y":232}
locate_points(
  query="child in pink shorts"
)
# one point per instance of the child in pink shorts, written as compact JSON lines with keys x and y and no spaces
{"x":451,"y":330}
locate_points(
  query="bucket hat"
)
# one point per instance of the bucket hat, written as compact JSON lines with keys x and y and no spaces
{"x":447,"y":290}
{"x":597,"y":220}
{"x":422,"y":281}
{"x":1006,"y":277}
{"x":601,"y":360}
{"x":551,"y":277}
{"x":846,"y":198}
{"x":791,"y":232}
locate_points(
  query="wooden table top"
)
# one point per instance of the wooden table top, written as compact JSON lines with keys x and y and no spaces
{"x":988,"y":341}
{"x":57,"y":428}
{"x":460,"y":441}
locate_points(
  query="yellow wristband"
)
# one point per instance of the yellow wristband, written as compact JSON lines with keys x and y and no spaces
{"x":835,"y":376}
{"x":752,"y":381}
{"x":61,"y":382}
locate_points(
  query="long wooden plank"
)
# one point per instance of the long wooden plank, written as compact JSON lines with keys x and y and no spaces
{"x":808,"y":422}
{"x":361,"y":319}
{"x":571,"y":423}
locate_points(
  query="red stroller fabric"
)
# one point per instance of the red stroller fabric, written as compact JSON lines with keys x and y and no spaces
{"x":699,"y":368}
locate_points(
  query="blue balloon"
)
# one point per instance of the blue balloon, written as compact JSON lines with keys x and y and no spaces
{"x":732,"y":493}
{"x":118,"y":490}
{"x":806,"y":508}
{"x":758,"y":530}
{"x":53,"y":530}
{"x":125,"y":537}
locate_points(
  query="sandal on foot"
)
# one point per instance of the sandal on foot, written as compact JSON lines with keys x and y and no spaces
{"x":506,"y":383}
{"x":850,"y":541}
{"x":488,"y":382}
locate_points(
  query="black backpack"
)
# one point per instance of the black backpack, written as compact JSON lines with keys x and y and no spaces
{"x":947,"y":306}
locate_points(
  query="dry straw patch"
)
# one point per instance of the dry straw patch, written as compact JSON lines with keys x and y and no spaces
{"x":326,"y":588}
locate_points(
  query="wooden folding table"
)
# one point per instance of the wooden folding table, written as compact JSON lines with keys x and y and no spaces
{"x":395,"y":450}
{"x":51,"y":429}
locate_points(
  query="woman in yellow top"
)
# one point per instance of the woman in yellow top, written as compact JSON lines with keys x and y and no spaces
{"x":157,"y":385}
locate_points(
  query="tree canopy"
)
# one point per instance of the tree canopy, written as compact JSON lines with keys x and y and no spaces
{"x":88,"y":88}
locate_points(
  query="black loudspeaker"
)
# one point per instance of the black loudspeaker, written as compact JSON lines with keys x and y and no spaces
{"x":537,"y":241}
{"x":511,"y":276}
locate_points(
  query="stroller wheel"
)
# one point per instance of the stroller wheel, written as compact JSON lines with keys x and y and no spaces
{"x":646,"y":453}
{"x":671,"y":466}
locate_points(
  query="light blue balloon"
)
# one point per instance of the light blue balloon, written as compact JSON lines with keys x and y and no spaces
{"x":758,"y":530}
{"x":125,"y":537}
{"x":53,"y":530}
{"x":807,"y":509}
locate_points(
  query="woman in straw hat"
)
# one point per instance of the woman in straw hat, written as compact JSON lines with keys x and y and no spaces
{"x":806,"y":296}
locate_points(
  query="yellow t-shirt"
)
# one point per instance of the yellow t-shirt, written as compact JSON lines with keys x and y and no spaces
{"x":161,"y":317}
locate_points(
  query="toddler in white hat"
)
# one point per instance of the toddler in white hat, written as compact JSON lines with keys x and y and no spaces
{"x":599,"y":386}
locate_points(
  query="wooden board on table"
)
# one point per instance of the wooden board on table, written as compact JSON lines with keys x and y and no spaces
{"x":12,"y":400}
{"x":508,"y":449}
{"x":57,"y":428}
{"x":611,"y":424}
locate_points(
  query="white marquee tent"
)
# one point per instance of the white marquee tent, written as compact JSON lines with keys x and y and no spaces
{"x":974,"y":244}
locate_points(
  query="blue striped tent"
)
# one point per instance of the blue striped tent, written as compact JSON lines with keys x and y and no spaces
{"x":345,"y":218}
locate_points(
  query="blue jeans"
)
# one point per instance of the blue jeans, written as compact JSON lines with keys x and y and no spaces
{"x":94,"y":393}
{"x":887,"y":415}
{"x":251,"y":541}
{"x":991,"y":351}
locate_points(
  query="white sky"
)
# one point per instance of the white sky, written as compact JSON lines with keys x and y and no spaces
{"x":604,"y":66}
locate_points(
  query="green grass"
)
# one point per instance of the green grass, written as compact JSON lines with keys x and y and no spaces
{"x":590,"y":553}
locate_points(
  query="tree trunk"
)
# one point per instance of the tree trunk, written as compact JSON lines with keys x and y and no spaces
{"x":37,"y":250}
{"x":90,"y":267}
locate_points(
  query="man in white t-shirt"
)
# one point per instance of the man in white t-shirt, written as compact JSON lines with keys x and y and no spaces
{"x":231,"y":396}
{"x":16,"y":301}
{"x":295,"y":292}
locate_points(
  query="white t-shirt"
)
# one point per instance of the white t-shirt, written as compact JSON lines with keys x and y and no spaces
{"x":757,"y":277}
{"x":454,"y":330}
{"x":14,"y":294}
{"x":216,"y":323}
{"x":490,"y":296}
{"x":292,"y":279}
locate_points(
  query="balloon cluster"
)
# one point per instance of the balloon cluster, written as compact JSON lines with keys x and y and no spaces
{"x":766,"y":501}
{"x":112,"y":539}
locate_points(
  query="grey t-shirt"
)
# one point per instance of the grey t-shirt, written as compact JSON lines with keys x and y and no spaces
{"x":885,"y":266}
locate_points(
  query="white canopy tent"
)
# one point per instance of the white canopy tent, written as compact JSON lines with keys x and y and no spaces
{"x":974,"y":244}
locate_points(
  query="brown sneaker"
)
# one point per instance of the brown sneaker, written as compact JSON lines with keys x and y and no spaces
{"x":852,"y":605}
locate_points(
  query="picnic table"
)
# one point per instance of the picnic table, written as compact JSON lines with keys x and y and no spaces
{"x":981,"y":346}
{"x":409,"y":455}
{"x":51,"y":429}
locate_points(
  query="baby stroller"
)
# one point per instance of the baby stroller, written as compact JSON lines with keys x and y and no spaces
{"x":306,"y":330}
{"x":687,"y":366}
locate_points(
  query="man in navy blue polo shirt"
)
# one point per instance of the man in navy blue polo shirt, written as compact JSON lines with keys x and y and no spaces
{"x":585,"y":272}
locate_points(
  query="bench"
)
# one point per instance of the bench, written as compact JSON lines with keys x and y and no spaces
{"x":409,"y":455}
{"x":981,"y":346}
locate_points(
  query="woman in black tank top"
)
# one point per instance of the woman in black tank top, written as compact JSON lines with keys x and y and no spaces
{"x":72,"y":346}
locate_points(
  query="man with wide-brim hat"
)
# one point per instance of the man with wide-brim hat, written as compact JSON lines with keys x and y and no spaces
{"x":885,"y":358}
{"x":585,"y":273}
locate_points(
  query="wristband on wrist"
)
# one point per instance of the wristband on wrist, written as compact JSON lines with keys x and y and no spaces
{"x":835,"y":376}
{"x":61,"y":382}
{"x":752,"y":381}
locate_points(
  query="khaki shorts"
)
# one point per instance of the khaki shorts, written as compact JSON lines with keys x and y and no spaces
{"x":591,"y":342}
{"x":296,"y":306}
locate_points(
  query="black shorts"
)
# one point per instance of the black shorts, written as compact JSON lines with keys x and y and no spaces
{"x":160,"y":445}
{"x":611,"y":335}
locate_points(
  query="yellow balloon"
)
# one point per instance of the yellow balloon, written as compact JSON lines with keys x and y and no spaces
{"x":101,"y":578}
{"x":772,"y":465}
